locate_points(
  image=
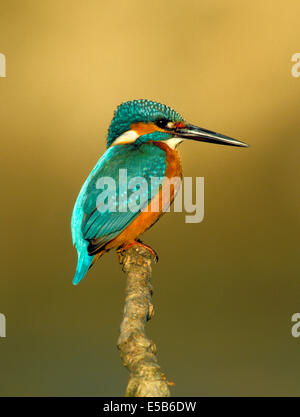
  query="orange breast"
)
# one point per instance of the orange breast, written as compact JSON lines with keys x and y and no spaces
{"x":148,"y":217}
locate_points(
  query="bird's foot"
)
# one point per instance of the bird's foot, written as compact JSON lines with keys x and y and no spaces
{"x":139,"y":243}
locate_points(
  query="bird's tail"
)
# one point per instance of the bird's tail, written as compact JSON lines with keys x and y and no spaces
{"x":83,"y":264}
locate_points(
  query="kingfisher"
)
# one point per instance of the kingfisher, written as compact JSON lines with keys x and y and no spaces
{"x":141,"y":142}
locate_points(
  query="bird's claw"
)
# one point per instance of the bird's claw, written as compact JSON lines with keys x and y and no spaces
{"x":139,"y":243}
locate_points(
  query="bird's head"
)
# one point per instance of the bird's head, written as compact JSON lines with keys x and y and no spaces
{"x":141,"y":121}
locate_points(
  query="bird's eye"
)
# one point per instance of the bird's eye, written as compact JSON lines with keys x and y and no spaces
{"x":164,"y":123}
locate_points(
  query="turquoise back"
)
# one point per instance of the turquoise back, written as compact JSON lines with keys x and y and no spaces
{"x":88,"y":223}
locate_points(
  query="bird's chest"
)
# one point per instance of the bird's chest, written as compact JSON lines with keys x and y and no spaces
{"x":154,"y":163}
{"x":172,"y":182}
{"x":172,"y":160}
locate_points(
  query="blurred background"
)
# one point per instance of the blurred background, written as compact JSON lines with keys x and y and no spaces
{"x":224,"y":289}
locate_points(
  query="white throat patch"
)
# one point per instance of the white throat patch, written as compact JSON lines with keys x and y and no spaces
{"x":173,"y":142}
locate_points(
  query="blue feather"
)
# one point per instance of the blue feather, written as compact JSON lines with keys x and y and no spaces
{"x":90,"y":223}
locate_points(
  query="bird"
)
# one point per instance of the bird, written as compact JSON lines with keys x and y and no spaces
{"x":142,"y":141}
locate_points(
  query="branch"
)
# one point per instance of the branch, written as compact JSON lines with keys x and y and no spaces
{"x":138,"y":353}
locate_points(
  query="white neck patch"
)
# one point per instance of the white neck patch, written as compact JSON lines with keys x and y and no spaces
{"x":131,"y":136}
{"x":127,"y":137}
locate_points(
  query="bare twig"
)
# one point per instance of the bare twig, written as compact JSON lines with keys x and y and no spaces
{"x":138,"y":353}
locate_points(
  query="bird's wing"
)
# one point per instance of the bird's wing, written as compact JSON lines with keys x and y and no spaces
{"x":100,"y":227}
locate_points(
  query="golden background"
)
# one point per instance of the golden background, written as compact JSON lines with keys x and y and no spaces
{"x":225,"y":289}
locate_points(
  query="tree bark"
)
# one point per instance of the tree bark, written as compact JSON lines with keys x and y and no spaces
{"x":138,"y":353}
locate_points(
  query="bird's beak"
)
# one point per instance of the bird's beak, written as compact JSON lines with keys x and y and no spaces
{"x":204,"y":135}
